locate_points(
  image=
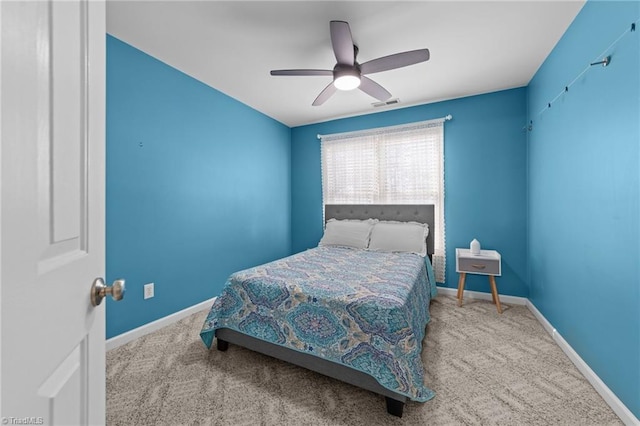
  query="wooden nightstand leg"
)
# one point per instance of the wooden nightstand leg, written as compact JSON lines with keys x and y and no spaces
{"x":494,"y":293}
{"x":461,"y":280}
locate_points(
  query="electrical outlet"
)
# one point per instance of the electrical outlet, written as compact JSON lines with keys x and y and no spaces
{"x":148,"y":291}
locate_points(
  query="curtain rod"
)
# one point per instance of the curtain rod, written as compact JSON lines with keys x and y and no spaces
{"x":400,"y":126}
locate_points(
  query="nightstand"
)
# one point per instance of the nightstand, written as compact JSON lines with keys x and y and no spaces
{"x":488,"y":262}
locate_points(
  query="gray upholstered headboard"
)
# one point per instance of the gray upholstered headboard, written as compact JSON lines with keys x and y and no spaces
{"x":422,"y":213}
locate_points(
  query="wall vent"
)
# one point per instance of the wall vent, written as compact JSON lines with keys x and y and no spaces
{"x":389,"y":102}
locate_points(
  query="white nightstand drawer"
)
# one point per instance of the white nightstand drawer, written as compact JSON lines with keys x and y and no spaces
{"x":479,"y":266}
{"x":487,"y":263}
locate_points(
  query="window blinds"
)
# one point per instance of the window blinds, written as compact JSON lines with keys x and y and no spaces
{"x":393,"y":165}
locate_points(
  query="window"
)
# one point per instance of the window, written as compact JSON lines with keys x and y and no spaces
{"x":391,"y":165}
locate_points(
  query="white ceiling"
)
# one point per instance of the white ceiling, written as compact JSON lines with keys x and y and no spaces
{"x":476,"y":47}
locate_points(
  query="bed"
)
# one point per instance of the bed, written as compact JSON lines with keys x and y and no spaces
{"x":354,"y":315}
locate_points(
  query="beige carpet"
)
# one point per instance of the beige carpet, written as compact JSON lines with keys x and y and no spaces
{"x":485,"y":369}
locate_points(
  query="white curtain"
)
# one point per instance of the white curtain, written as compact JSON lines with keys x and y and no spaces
{"x":392,"y":165}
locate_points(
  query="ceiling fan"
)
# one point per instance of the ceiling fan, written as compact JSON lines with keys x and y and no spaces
{"x":348,"y":74}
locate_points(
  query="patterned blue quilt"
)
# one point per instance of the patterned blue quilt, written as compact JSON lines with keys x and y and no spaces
{"x":367,"y":310}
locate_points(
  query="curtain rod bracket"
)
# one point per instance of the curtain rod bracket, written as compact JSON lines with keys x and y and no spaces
{"x":604,"y":62}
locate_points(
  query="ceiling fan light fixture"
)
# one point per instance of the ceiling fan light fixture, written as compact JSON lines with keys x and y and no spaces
{"x":348,"y":74}
{"x":346,"y":79}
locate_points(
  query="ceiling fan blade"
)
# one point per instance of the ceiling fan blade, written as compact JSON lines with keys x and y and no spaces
{"x":397,"y":60}
{"x":372,"y":88}
{"x":342,"y":42}
{"x":301,"y":72}
{"x":325,"y":94}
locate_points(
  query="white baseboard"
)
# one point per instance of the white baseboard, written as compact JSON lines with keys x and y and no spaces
{"x":609,"y":397}
{"x":514,"y":300}
{"x":123,"y":338}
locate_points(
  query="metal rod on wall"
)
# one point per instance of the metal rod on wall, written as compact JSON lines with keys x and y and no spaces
{"x":604,"y":62}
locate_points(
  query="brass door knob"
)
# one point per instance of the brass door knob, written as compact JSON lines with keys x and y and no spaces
{"x":99,"y":290}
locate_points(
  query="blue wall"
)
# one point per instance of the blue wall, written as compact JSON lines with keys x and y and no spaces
{"x":584,"y":173}
{"x":198,"y":186}
{"x":485,"y":179}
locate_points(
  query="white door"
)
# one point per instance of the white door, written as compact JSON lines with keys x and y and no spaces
{"x":52,"y":207}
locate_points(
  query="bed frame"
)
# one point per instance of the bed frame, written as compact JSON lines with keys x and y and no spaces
{"x":395,"y":402}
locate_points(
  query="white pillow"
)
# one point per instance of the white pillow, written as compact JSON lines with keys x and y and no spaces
{"x":347,"y":233}
{"x":408,"y":237}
